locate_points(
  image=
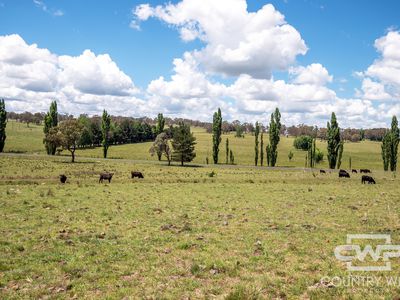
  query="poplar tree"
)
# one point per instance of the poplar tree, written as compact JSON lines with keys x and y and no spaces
{"x":105,"y":131}
{"x":3,"y":124}
{"x":256,"y":134}
{"x":227,"y":150}
{"x":274,"y":138}
{"x":262,"y":149}
{"x":217,"y":130}
{"x":385,"y":146}
{"x":333,"y":139}
{"x":394,"y":136}
{"x":50,"y":121}
{"x":160,"y":123}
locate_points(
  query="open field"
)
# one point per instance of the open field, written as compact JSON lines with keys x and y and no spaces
{"x":196,"y":232}
{"x":365,"y":154}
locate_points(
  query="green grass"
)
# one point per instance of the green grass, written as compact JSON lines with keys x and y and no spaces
{"x":364,"y":154}
{"x":24,"y":139}
{"x":243,"y":233}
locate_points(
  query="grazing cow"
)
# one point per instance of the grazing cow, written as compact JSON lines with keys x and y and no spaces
{"x":365,"y":171}
{"x":137,"y":174}
{"x":63,"y":178}
{"x":367,"y":179}
{"x":353,"y":171}
{"x":322,"y":171}
{"x":106,"y":176}
{"x":343,"y":173}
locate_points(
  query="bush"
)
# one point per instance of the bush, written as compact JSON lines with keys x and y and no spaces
{"x":302,"y":142}
{"x":319,"y":156}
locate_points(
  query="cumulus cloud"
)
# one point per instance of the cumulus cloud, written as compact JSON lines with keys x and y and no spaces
{"x":30,"y":77}
{"x":312,"y":74}
{"x":236,"y":41}
{"x":382,"y":78}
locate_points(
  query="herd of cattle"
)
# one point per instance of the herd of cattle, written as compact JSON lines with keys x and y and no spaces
{"x":105,"y":176}
{"x":342,"y":173}
{"x":364,"y":178}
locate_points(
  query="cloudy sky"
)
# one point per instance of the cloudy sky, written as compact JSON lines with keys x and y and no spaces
{"x":187,"y":58}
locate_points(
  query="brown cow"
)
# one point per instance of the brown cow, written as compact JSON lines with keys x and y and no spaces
{"x":365,"y":171}
{"x":106,"y":176}
{"x":353,"y":171}
{"x":322,"y":171}
{"x":137,"y":174}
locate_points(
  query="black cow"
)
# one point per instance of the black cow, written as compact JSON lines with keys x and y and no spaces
{"x":322,"y":171}
{"x":343,"y":173}
{"x":137,"y":174}
{"x":63,"y":178}
{"x":353,"y":171}
{"x":367,"y":179}
{"x":365,"y":171}
{"x":106,"y":176}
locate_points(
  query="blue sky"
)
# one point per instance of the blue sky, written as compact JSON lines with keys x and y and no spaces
{"x":339,"y":35}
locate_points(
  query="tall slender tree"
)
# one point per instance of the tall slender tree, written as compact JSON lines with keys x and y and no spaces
{"x":256,"y":134}
{"x":340,"y":153}
{"x":3,"y":124}
{"x":183,"y":144}
{"x":160,"y":123}
{"x":217,"y":131}
{"x":227,"y":150}
{"x":105,"y":131}
{"x":386,"y":149}
{"x":274,"y":138}
{"x":394,"y":136}
{"x":333,"y":137}
{"x":50,"y":121}
{"x":262,"y":148}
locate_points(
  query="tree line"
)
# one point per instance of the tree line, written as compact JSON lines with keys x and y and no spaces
{"x":178,"y":143}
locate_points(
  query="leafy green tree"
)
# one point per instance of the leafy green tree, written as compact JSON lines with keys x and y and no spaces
{"x":50,"y":121}
{"x":333,"y":139}
{"x":162,"y":145}
{"x":227,"y":149}
{"x":303,"y":142}
{"x":256,"y":134}
{"x":262,"y":149}
{"x":67,"y":135}
{"x":160,"y":123}
{"x":239,"y":131}
{"x":3,"y":124}
{"x":183,"y":144}
{"x":217,"y":131}
{"x":105,"y":130}
{"x":274,"y":138}
{"x":394,"y":136}
{"x":386,"y":149}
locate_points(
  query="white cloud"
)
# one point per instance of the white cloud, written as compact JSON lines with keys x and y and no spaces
{"x":237,"y":41}
{"x":312,"y":74}
{"x":382,"y":78}
{"x":30,"y":77}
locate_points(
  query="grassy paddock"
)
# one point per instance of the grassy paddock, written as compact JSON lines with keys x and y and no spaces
{"x":180,"y":233}
{"x":364,"y":154}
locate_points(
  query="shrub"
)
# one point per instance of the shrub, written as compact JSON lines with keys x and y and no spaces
{"x":302,"y":142}
{"x":318,"y":156}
